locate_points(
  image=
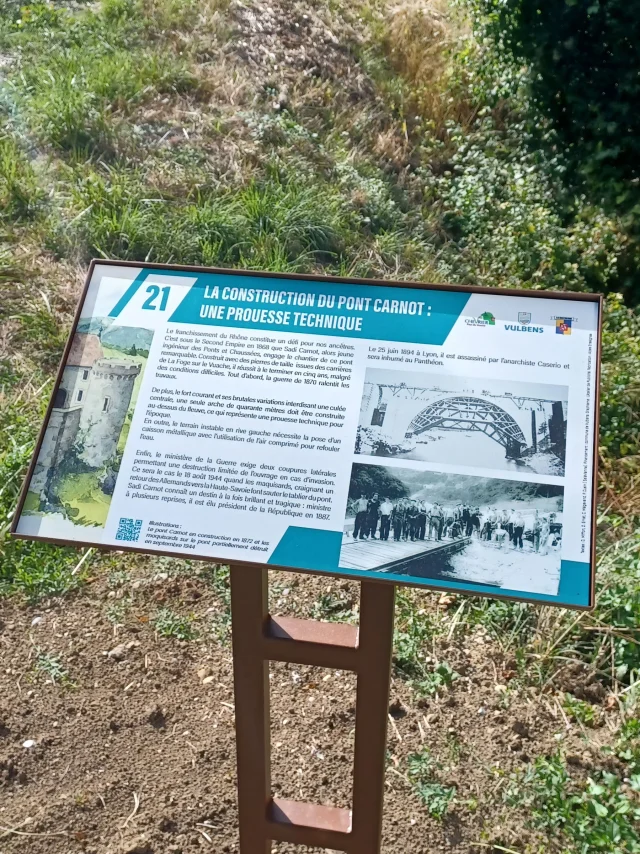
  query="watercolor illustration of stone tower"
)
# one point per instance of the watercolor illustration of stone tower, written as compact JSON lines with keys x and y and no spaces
{"x":89,"y":410}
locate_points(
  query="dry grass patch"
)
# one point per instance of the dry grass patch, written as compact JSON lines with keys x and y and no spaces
{"x":420,"y":37}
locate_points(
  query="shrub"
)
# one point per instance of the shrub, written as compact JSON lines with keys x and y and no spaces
{"x":168,"y":624}
{"x":578,"y":65}
{"x":498,"y":201}
{"x":584,"y":60}
{"x":620,"y":391}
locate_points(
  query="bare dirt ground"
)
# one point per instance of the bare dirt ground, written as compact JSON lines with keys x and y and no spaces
{"x":134,"y":747}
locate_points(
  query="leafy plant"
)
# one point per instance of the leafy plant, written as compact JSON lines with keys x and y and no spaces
{"x":512,"y":624}
{"x":441,"y":677}
{"x":618,"y":606}
{"x":73,"y":80}
{"x":628,"y":745}
{"x":168,"y":624}
{"x":580,"y":711}
{"x":414,"y":628}
{"x":584,"y":79}
{"x":118,"y":578}
{"x":422,"y":774}
{"x":218,"y":578}
{"x":620,"y":393}
{"x":50,"y":666}
{"x":116,"y":612}
{"x":35,"y":570}
{"x":332,"y":606}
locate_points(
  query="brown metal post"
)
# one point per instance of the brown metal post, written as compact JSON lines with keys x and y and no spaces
{"x":259,"y":638}
{"x":375,"y":644}
{"x":250,"y":609}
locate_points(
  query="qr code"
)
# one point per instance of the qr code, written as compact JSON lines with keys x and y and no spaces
{"x":129,"y":530}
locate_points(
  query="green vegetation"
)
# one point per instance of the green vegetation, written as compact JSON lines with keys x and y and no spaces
{"x":116,"y":612}
{"x":414,"y":629}
{"x":580,"y":711}
{"x":25,"y":381}
{"x":600,"y":814}
{"x":118,"y":578}
{"x":584,"y":79}
{"x":512,"y":624}
{"x":422,"y":774}
{"x":168,"y":624}
{"x":51,"y":667}
{"x":333,"y":606}
{"x":441,"y":677}
{"x":20,"y":192}
{"x":218,"y":578}
{"x":628,"y":745}
{"x":35,"y":569}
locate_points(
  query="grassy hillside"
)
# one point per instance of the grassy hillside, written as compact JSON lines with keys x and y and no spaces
{"x":367,"y":139}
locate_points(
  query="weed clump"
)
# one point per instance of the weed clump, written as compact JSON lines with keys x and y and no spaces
{"x":422,"y":773}
{"x":168,"y":624}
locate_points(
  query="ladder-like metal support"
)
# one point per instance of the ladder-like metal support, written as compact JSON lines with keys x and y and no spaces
{"x":366,"y":650}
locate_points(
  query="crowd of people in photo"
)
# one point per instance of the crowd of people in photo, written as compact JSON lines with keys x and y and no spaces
{"x":410,"y":519}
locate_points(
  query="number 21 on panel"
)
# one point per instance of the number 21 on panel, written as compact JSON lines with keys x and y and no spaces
{"x":151,"y":302}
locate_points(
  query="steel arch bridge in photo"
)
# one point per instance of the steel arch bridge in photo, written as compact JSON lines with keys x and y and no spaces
{"x":469,"y":414}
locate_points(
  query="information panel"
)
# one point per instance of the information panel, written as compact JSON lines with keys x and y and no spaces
{"x":429,"y":435}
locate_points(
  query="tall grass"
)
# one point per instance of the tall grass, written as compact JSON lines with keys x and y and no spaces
{"x":280,"y":220}
{"x":419,"y":39}
{"x":20,"y":192}
{"x":73,"y":102}
{"x":75,"y":85}
{"x":32,"y":570}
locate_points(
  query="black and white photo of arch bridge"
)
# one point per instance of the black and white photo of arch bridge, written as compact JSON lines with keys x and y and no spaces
{"x":487,"y":423}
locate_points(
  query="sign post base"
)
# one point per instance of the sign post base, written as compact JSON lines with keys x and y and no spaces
{"x":366,"y":650}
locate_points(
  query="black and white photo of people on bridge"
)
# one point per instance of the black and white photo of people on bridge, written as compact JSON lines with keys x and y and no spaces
{"x":491,"y":530}
{"x":410,"y":519}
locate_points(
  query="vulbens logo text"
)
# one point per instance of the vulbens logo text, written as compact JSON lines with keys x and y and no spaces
{"x":515,"y":327}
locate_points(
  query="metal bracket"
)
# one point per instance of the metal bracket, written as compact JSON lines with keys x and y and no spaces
{"x":366,"y":650}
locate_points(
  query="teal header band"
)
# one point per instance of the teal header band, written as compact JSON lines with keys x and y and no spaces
{"x":322,"y":308}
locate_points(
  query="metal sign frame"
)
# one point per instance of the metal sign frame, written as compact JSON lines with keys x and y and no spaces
{"x":300,"y":277}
